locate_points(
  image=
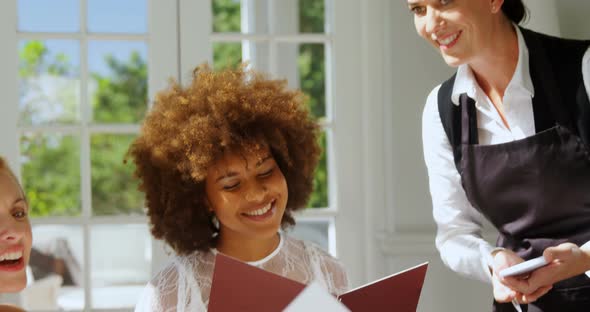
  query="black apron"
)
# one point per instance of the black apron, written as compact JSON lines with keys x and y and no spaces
{"x":536,"y":192}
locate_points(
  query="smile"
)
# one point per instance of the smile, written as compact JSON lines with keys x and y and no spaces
{"x":12,"y":261}
{"x":262,"y":213}
{"x":449,"y":41}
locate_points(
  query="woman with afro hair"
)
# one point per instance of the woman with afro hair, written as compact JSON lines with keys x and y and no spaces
{"x":223,"y":163}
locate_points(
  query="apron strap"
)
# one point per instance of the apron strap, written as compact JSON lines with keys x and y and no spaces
{"x":468,"y":120}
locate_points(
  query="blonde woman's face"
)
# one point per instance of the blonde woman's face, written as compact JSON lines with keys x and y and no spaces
{"x":248,"y":194}
{"x":15,"y":235}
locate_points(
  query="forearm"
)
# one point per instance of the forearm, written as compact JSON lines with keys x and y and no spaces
{"x":467,"y":254}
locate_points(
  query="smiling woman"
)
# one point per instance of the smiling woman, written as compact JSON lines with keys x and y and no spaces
{"x":223,"y":163}
{"x":516,"y":112}
{"x":15,"y":234}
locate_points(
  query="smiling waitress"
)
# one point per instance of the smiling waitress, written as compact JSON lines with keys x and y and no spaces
{"x":507,"y":138}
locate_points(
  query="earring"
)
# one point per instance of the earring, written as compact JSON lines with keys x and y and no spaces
{"x":215,"y":222}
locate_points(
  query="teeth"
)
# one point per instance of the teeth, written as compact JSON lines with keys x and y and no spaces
{"x":448,"y":39}
{"x":260,"y":211}
{"x":11,"y":256}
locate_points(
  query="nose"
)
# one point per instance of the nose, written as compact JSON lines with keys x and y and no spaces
{"x":9,"y":233}
{"x":433,"y":21}
{"x":256,"y":193}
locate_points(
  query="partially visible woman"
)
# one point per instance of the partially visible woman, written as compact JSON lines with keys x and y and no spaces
{"x":507,"y":138}
{"x":15,"y":234}
{"x":224,"y":162}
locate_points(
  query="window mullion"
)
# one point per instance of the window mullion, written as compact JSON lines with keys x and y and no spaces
{"x":9,"y":65}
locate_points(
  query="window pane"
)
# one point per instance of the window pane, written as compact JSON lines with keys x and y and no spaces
{"x":118,"y":81}
{"x":49,"y":16}
{"x":319,"y":197}
{"x":115,"y":16}
{"x":226,"y":55}
{"x":57,"y":260}
{"x":230,"y":55}
{"x":49,"y":82}
{"x":311,"y":16}
{"x":304,"y":66}
{"x":114,"y":190}
{"x":314,"y":230}
{"x":226,"y":15}
{"x":121,"y":264}
{"x":51,"y":174}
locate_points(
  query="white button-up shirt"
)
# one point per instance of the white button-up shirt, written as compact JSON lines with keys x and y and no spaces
{"x":459,"y":236}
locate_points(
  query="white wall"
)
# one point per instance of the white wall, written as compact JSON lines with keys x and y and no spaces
{"x":574,"y":20}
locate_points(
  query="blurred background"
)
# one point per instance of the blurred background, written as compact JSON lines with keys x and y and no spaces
{"x":78,"y":78}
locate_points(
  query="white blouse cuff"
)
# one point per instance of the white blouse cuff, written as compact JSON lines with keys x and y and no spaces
{"x":487,"y":252}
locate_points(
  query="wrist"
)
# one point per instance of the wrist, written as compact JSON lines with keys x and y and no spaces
{"x":492,"y":256}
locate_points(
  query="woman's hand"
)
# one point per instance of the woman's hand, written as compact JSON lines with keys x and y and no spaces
{"x":513,"y":288}
{"x":565,"y":261}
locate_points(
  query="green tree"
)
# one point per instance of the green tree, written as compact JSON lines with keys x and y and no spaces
{"x":312,"y":69}
{"x":226,"y":18}
{"x":121,"y":97}
{"x":51,"y":169}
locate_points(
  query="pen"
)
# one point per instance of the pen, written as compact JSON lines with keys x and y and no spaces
{"x":516,"y":305}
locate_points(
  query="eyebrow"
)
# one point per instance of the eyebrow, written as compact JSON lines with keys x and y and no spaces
{"x":415,"y":2}
{"x":227,"y":175}
{"x":231,"y":174}
{"x":260,"y":162}
{"x":20,"y":199}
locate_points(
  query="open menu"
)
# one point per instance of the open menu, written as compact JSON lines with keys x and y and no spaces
{"x":238,"y":286}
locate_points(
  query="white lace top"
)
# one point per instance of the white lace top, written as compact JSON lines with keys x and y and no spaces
{"x":185,"y":283}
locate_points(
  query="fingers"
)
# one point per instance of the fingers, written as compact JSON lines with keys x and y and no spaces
{"x":534,"y":296}
{"x":561,"y":252}
{"x":518,"y":284}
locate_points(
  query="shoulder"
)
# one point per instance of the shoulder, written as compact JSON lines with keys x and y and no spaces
{"x":431,"y":106}
{"x":182,"y":266}
{"x":320,"y":255}
{"x":307,"y":248}
{"x":431,"y":118}
{"x":560,"y":49}
{"x":326,"y":267}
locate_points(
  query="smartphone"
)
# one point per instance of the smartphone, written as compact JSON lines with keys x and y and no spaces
{"x":524,"y":267}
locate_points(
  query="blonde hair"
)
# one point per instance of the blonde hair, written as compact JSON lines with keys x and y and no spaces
{"x":4,"y":167}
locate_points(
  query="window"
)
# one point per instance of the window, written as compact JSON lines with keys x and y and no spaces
{"x":78,"y":82}
{"x":289,"y":39}
{"x":84,"y":79}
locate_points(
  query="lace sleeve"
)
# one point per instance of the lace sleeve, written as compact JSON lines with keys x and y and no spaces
{"x":160,"y":294}
{"x":172,"y":290}
{"x":330,"y":269}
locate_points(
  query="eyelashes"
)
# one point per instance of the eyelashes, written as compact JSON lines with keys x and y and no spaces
{"x":262,"y":175}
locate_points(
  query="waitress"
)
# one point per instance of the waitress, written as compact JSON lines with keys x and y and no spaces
{"x":507,"y":138}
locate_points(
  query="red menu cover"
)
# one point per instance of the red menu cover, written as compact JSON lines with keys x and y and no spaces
{"x":398,"y":292}
{"x":237,"y":286}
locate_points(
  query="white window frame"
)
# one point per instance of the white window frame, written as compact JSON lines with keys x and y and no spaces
{"x":163,"y":63}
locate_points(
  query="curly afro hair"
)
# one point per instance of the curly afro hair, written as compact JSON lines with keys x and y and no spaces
{"x":190,"y":127}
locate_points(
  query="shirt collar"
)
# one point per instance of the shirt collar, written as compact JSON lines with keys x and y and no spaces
{"x":465,"y":81}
